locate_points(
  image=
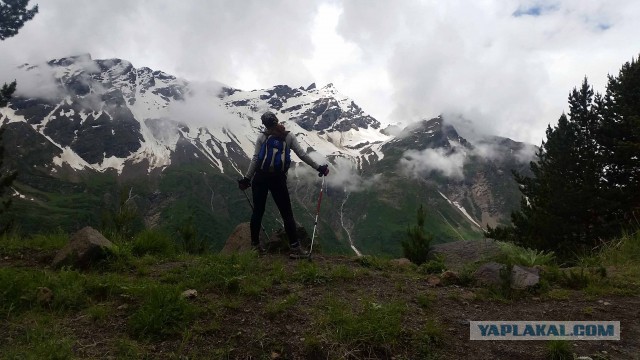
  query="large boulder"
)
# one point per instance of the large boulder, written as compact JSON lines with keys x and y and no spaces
{"x":459,"y":253}
{"x":240,"y":240}
{"x":85,"y":248}
{"x":522,"y":277}
{"x":489,"y":274}
{"x":279,"y":241}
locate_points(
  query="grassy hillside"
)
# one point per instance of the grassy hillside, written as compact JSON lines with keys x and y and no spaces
{"x":268,"y":308}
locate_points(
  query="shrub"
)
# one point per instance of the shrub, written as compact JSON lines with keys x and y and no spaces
{"x":434,"y":266}
{"x":416,"y":247}
{"x":153,"y":242}
{"x":518,"y":255}
{"x":559,"y":350}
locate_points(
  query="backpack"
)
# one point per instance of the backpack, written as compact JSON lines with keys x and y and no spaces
{"x":274,"y":155}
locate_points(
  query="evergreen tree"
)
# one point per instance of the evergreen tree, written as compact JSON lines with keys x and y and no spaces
{"x":6,"y":179}
{"x":562,"y":208}
{"x":416,"y":247}
{"x":13,"y":15}
{"x":620,"y":139}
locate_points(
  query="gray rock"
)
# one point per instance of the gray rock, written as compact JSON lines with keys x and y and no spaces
{"x":239,"y":240}
{"x":85,"y":248}
{"x":521,"y":277}
{"x":524,"y":277}
{"x":190,"y":294}
{"x":489,"y":274}
{"x":458,"y":253}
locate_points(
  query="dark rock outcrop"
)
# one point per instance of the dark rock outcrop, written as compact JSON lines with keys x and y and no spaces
{"x":85,"y":248}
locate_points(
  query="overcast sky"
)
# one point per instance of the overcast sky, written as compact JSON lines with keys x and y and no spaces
{"x":505,"y":65}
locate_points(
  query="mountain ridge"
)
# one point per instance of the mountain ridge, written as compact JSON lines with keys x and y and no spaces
{"x":108,"y":118}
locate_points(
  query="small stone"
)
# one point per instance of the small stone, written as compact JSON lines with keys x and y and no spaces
{"x":584,"y":358}
{"x":123,"y":307}
{"x":190,"y":294}
{"x":275,"y":355}
{"x":606,"y":303}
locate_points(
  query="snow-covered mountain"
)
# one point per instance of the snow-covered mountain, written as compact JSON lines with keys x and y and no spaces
{"x":108,"y":117}
{"x":106,"y":114}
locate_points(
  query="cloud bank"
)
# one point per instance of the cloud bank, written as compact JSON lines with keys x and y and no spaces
{"x":507,"y":66}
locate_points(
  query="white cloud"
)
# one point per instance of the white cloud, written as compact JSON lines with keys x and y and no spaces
{"x":400,"y":60}
{"x":419,"y":163}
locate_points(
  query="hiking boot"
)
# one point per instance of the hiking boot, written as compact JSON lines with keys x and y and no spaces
{"x":259,"y":249}
{"x":298,"y":253}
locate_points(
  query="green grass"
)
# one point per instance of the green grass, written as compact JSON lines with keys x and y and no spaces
{"x":153,"y":242}
{"x":38,"y":337}
{"x":309,"y":273}
{"x":13,"y":242}
{"x":429,"y":338}
{"x":163,"y":313}
{"x":425,"y":300}
{"x":559,"y":350}
{"x":368,"y":323}
{"x":280,"y":306}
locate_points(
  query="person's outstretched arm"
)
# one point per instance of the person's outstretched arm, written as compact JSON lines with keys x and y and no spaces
{"x":302,"y":154}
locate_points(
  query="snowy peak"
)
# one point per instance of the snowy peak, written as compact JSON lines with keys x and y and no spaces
{"x":107,"y":114}
{"x":428,"y":134}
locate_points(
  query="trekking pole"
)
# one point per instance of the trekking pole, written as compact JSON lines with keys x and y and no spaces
{"x":316,"y":222}
{"x":250,"y":204}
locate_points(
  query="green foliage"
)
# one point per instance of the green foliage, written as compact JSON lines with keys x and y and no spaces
{"x":153,"y":242}
{"x":6,"y":178}
{"x":228,"y":274}
{"x":42,"y":339}
{"x":433,"y":266}
{"x":373,"y":262}
{"x":575,"y":278}
{"x":586,"y":180}
{"x":14,"y":15}
{"x":425,"y":300}
{"x":164,"y":313}
{"x":309,"y":273}
{"x":559,"y":350}
{"x":191,"y":243}
{"x":122,"y":218}
{"x":416,"y":247}
{"x":430,"y":336}
{"x":519,"y":255}
{"x":279,"y":306}
{"x":372,"y":324}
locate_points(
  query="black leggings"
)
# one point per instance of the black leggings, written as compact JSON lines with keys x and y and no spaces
{"x":276,"y":183}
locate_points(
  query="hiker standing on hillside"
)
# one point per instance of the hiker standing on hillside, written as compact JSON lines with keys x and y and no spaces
{"x":268,"y":168}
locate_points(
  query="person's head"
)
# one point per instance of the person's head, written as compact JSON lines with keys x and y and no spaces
{"x":269,"y":119}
